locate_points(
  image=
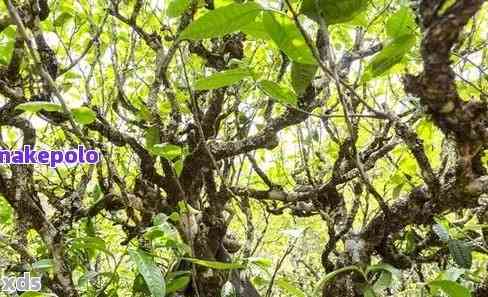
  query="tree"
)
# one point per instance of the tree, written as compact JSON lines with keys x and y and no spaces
{"x":290,"y":148}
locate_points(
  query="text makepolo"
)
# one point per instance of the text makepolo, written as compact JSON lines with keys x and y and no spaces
{"x":50,"y":157}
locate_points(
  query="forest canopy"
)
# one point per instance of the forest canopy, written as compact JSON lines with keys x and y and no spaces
{"x":278,"y":148}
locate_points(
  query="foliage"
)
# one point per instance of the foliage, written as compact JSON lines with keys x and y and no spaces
{"x":250,"y":148}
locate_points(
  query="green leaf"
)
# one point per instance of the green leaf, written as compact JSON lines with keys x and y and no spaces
{"x":391,"y":55}
{"x":159,"y":219}
{"x":144,"y":113}
{"x":149,"y":271}
{"x":84,"y":115}
{"x":86,"y":277}
{"x":301,"y":76}
{"x":368,"y":291}
{"x":333,"y":11}
{"x":177,"y":284}
{"x":441,"y":231}
{"x":215,"y":264}
{"x":287,"y":37}
{"x":461,"y":253}
{"x":222,"y":79}
{"x":62,"y":19}
{"x":91,"y":244}
{"x":330,"y":276}
{"x":285,"y":285}
{"x":279,"y":93}
{"x":38,"y":106}
{"x":260,"y":261}
{"x":6,"y":211}
{"x":161,"y":231}
{"x":178,"y":166}
{"x":410,"y":242}
{"x":260,"y":281}
{"x":168,"y":151}
{"x":445,"y":6}
{"x":139,"y":287}
{"x":401,"y":23}
{"x":43,"y":264}
{"x":151,"y":137}
{"x":452,"y":289}
{"x":383,"y":267}
{"x":10,"y":32}
{"x":222,"y":21}
{"x":256,"y":29}
{"x":452,"y":274}
{"x":386,"y":277}
{"x":384,"y":281}
{"x":177,"y":7}
{"x":7,"y":43}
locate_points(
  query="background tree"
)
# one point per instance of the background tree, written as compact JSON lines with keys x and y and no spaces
{"x":272,"y":148}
